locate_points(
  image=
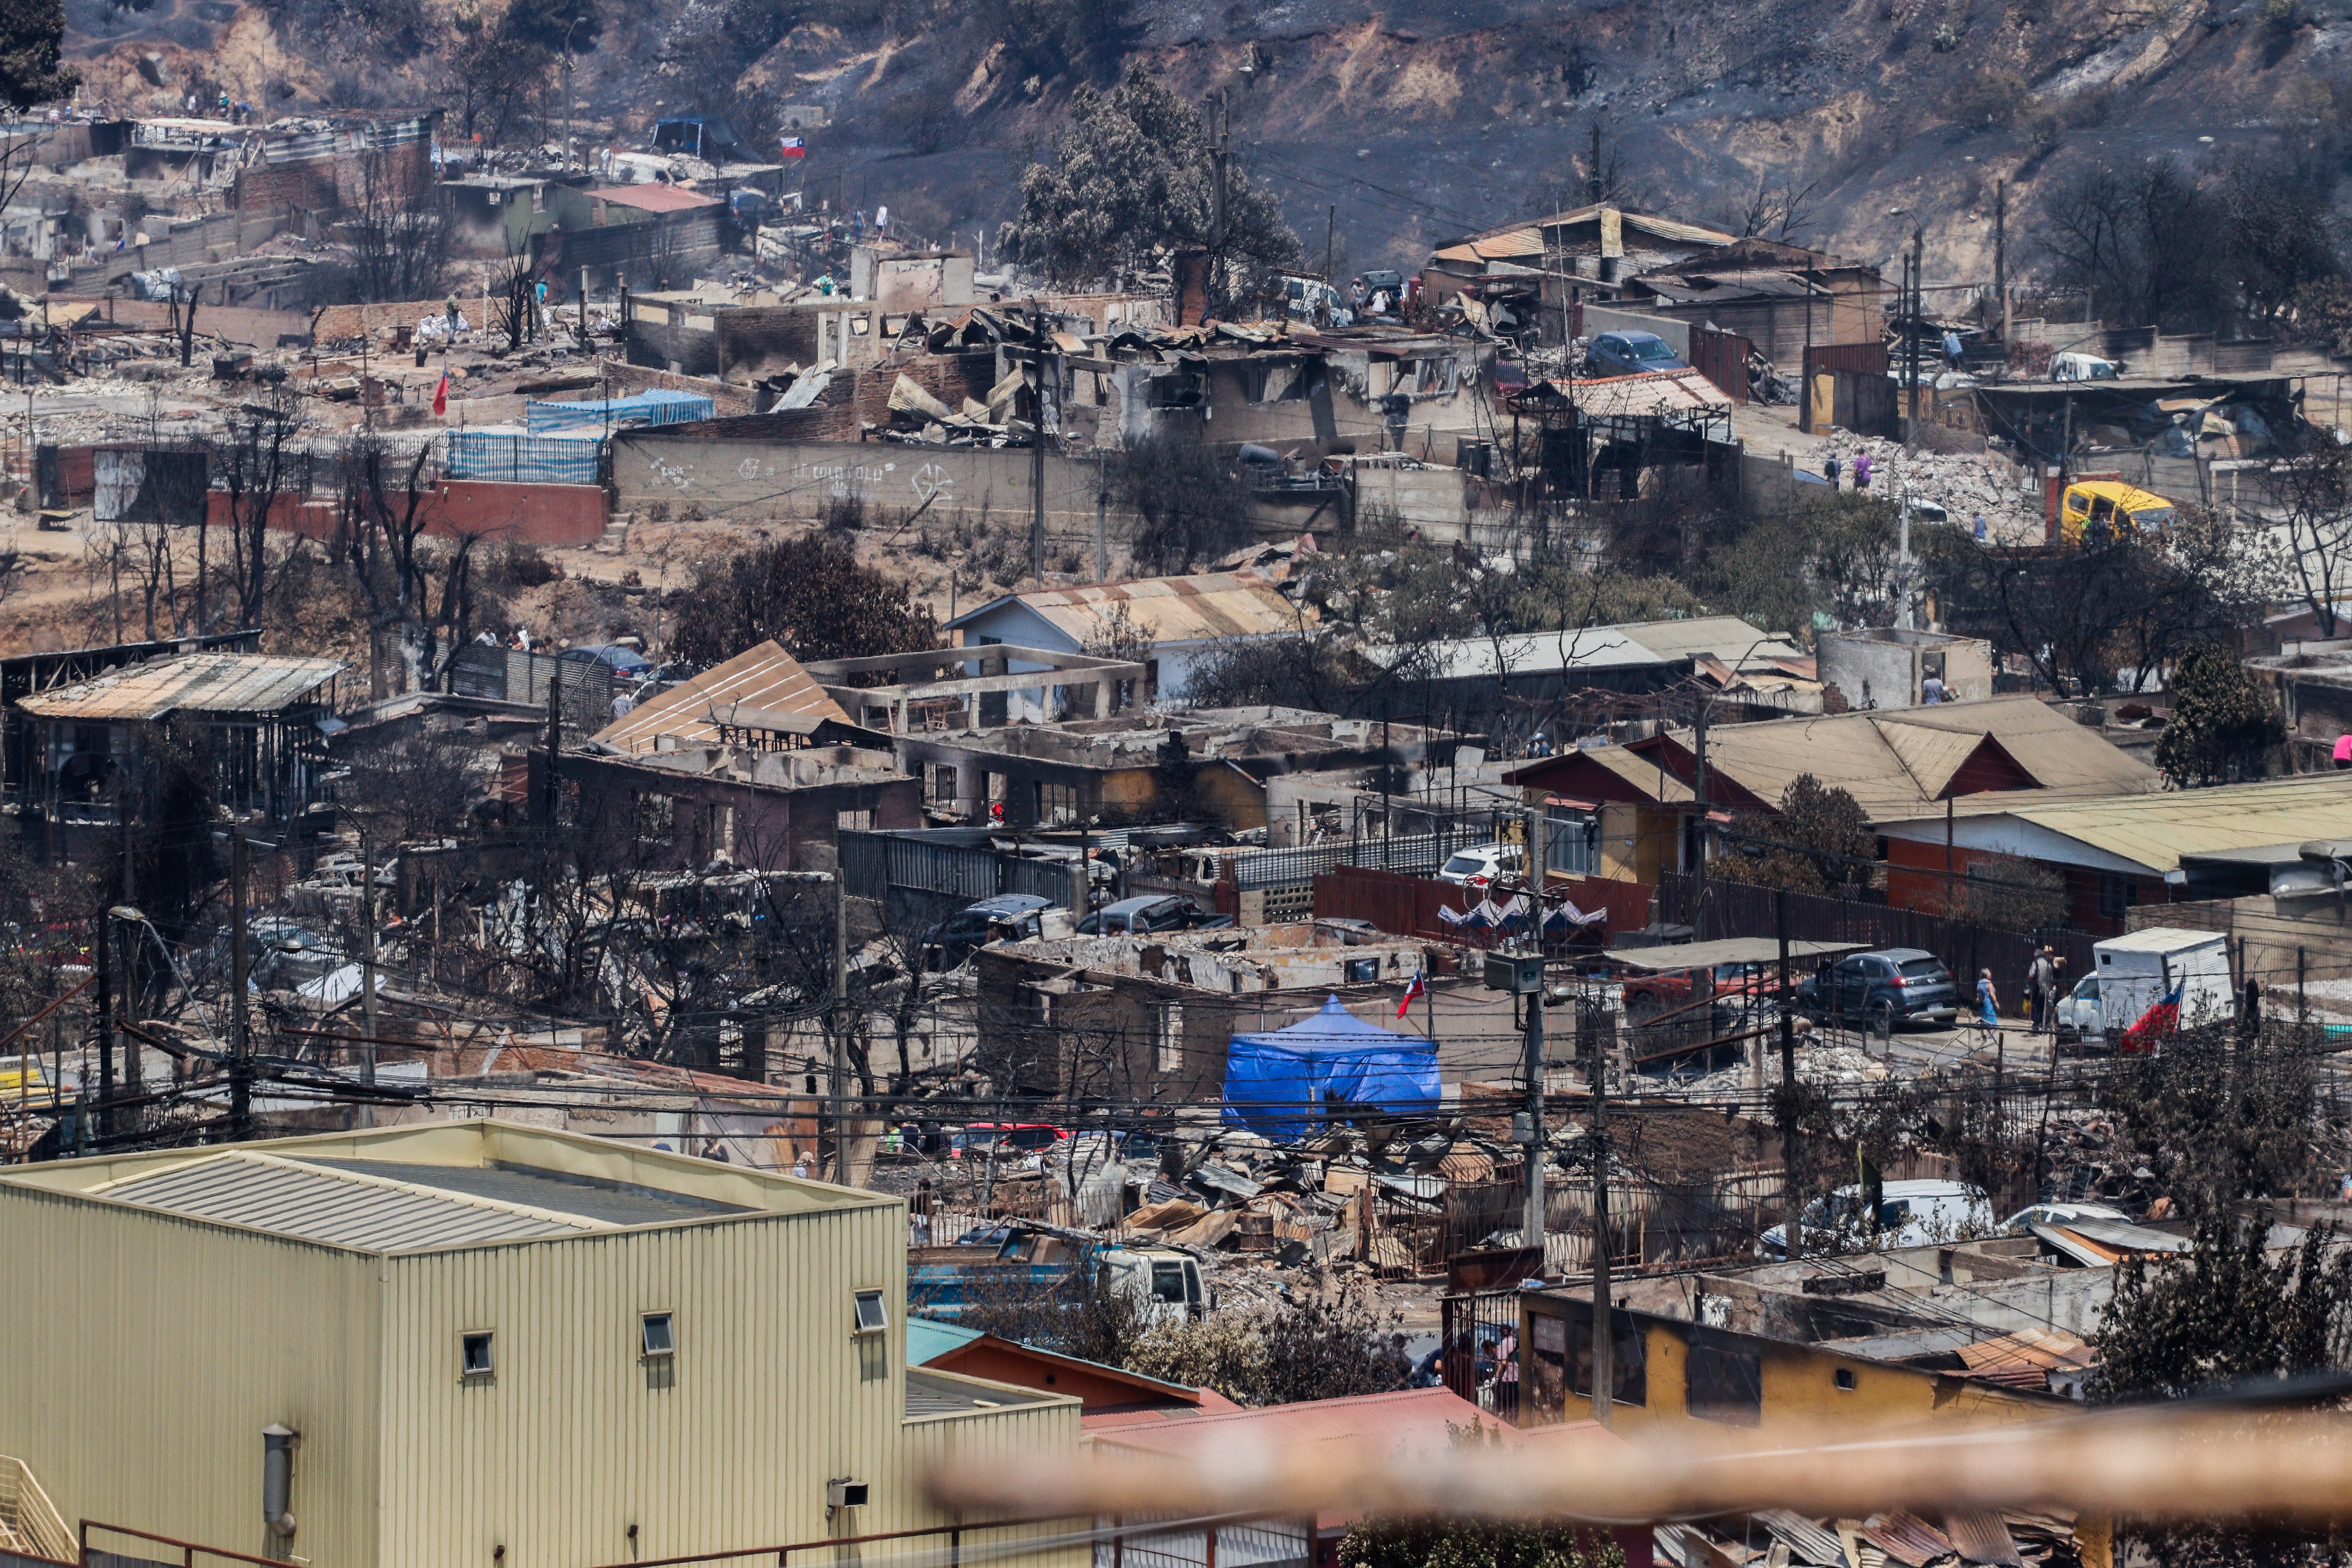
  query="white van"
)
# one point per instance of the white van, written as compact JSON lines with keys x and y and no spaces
{"x":2137,"y":971}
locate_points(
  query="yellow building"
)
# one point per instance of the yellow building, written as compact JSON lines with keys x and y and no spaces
{"x":478,"y":1343}
{"x":1668,"y":1371}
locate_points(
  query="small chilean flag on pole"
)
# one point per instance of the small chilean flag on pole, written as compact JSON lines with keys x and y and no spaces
{"x":1411,"y":991}
{"x":441,"y":396}
{"x":794,"y":147}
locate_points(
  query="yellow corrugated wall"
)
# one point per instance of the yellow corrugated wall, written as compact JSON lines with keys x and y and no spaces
{"x":147,"y":1352}
{"x":151,"y":1348}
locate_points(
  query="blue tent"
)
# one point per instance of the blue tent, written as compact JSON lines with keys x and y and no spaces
{"x":1272,"y":1080}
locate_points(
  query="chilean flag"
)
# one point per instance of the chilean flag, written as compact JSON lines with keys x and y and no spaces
{"x":1410,"y":991}
{"x":2164,"y":1019}
{"x":795,"y":147}
{"x":441,"y":396}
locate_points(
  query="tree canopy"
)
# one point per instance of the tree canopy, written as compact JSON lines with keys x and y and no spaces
{"x":810,"y":594}
{"x":31,"y":32}
{"x":1133,"y":175}
{"x":2223,"y":726}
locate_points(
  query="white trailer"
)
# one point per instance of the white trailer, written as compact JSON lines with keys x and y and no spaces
{"x":2137,"y":971}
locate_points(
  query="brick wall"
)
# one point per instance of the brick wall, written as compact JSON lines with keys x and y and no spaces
{"x":557,"y":517}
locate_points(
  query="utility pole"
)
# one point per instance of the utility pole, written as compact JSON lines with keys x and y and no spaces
{"x":836,"y":1074}
{"x":1531,"y":1223}
{"x":1699,"y":807}
{"x":550,"y":794}
{"x":1102,"y":514}
{"x":1604,"y":1341}
{"x":1594,"y":187}
{"x":101,"y":949}
{"x":1037,"y":446}
{"x":1918,"y":250}
{"x":2000,"y":254}
{"x":367,"y":954}
{"x":1221,"y":157}
{"x":1788,"y":1075}
{"x":240,"y":1024}
{"x":134,"y":1070}
{"x":1330,"y":234}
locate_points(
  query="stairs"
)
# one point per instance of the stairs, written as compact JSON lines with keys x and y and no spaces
{"x":30,"y":1522}
{"x":615,"y":536}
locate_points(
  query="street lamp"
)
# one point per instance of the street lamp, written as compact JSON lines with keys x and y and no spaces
{"x":567,"y":87}
{"x":1911,"y":327}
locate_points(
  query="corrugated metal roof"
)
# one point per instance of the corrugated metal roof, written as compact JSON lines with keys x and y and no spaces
{"x":927,"y":1338}
{"x":1858,"y":753}
{"x":341,"y":1208}
{"x":1807,"y":1542}
{"x":1168,"y":609}
{"x":938,"y":1394}
{"x":1981,"y":1537}
{"x":653,"y":198}
{"x":764,"y":678}
{"x":201,"y":683}
{"x":1648,"y":395}
{"x":2158,"y":831}
{"x":1907,"y":1539}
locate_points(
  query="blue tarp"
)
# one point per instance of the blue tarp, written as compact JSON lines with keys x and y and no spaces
{"x":522,"y":459}
{"x":1272,"y":1080}
{"x":645,"y":408}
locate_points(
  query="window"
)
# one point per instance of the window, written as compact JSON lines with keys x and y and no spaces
{"x":474,"y":1356}
{"x":656,"y":818}
{"x":1723,"y":1380}
{"x":944,"y":784}
{"x":1168,"y":1282}
{"x":1629,"y":1372}
{"x":1845,"y":1378}
{"x":656,"y":1335}
{"x":2115,"y":895}
{"x":854,"y":821}
{"x":872,"y":1316}
{"x":860,"y":326}
{"x":1056,"y":804}
{"x":1170,"y":1056}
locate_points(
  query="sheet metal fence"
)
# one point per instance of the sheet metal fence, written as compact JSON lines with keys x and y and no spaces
{"x":1739,"y":908}
{"x":514,"y":675}
{"x":514,"y":458}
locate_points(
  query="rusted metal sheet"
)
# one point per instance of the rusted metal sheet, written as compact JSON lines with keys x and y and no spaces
{"x":1907,"y":1539}
{"x":1981,"y":1537}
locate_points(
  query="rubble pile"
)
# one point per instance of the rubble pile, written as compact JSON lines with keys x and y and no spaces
{"x":1966,"y":485}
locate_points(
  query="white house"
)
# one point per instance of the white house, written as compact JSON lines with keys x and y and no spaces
{"x":1168,"y":623}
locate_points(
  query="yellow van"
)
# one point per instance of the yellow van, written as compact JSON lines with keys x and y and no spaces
{"x":2099,"y":507}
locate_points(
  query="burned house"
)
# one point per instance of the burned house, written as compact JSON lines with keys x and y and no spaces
{"x":1539,"y":271}
{"x":749,"y":762}
{"x":1149,"y":1017}
{"x":1782,"y":297}
{"x":1206,"y":764}
{"x":253,"y":721}
{"x":1618,"y":437}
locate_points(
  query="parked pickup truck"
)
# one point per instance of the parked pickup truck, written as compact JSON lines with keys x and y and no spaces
{"x":1027,"y":1261}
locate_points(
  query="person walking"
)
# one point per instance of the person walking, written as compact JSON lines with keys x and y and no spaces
{"x":1951,"y":349}
{"x":1988,"y":999}
{"x":1830,"y":469}
{"x":2040,"y":987}
{"x":1862,"y":471}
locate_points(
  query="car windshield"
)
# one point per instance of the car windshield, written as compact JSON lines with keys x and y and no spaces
{"x":1925,"y":969}
{"x":2153,"y":517}
{"x":1168,"y":1282}
{"x":1654,"y":349}
{"x":1462,"y":864}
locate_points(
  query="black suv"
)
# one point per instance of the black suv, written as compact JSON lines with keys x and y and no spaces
{"x":1891,"y":985}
